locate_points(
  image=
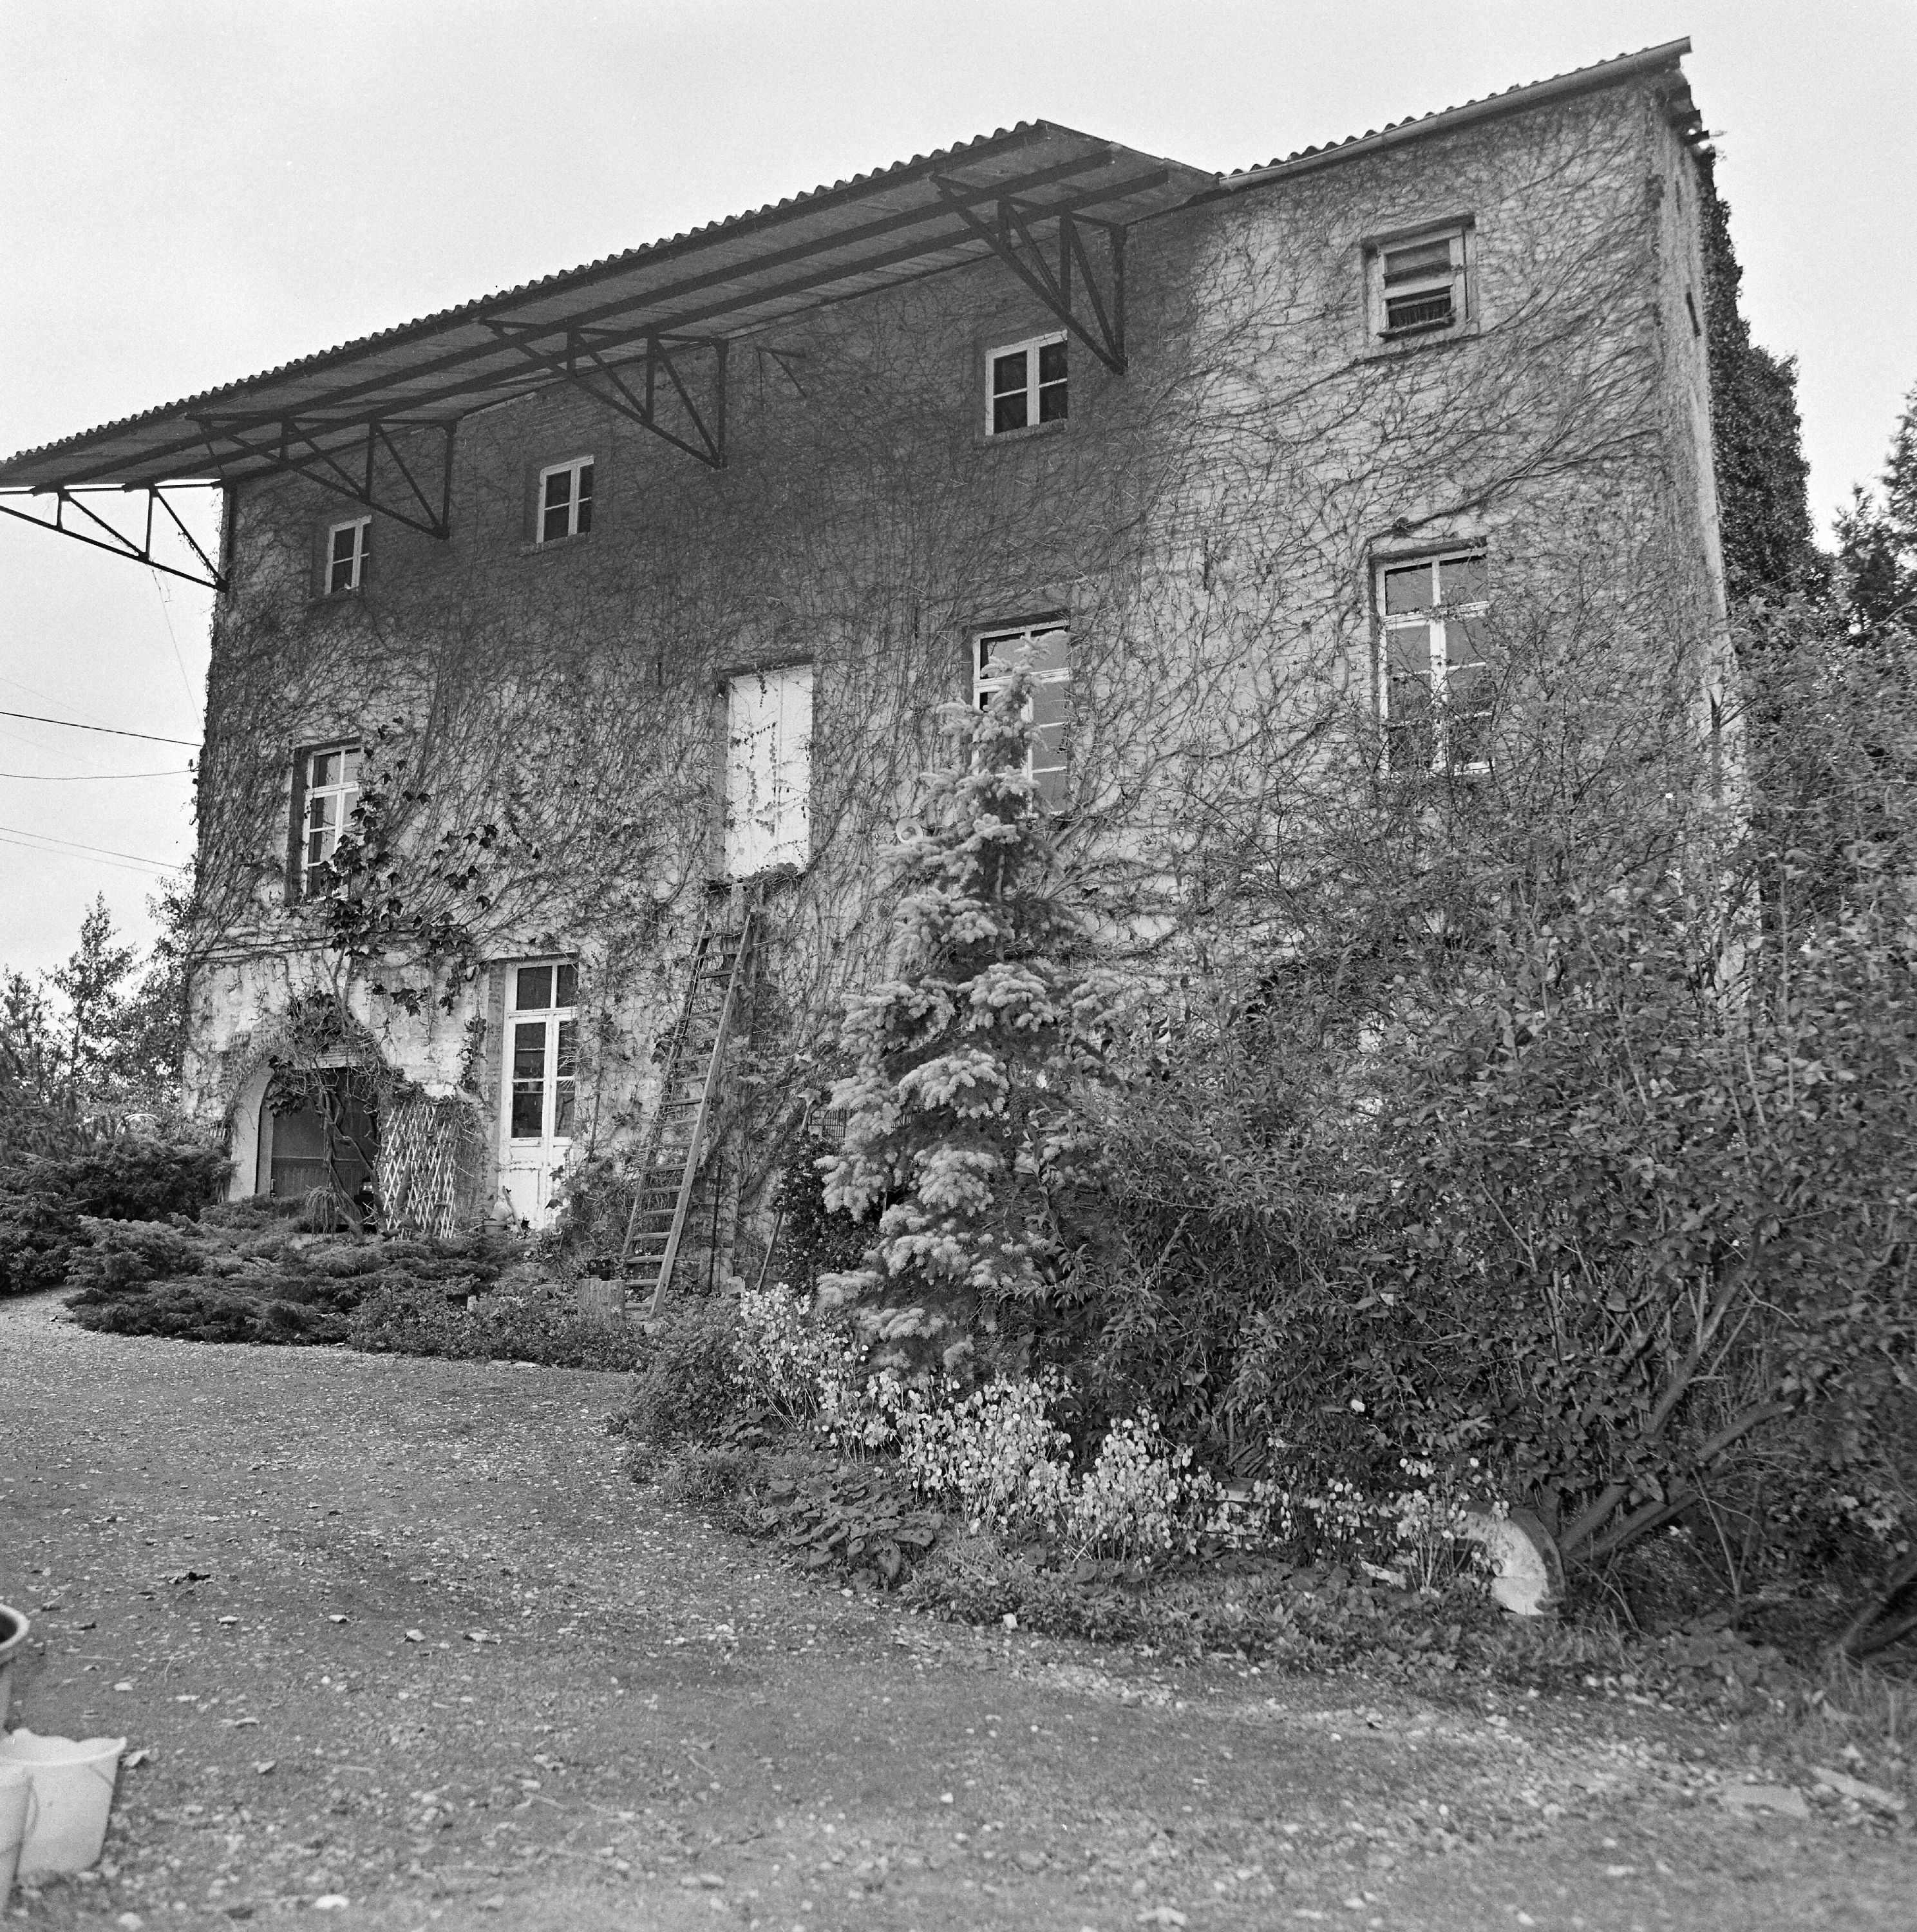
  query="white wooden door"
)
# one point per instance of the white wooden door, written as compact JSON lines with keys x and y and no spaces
{"x":538,"y":1092}
{"x":768,"y":770}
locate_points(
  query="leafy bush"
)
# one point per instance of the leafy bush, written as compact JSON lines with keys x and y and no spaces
{"x":121,"y":1255}
{"x":691,"y":1385}
{"x":37,"y":1233}
{"x":404,"y":1315}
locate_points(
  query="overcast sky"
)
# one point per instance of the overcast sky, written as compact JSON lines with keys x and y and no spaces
{"x":198,"y":189}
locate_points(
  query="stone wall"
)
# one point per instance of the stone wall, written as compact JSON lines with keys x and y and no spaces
{"x":1210,"y":523}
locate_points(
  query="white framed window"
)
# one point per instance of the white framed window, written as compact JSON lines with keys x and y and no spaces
{"x":348,"y":547}
{"x":1420,"y":285}
{"x":768,"y":770}
{"x":543,"y":1034}
{"x":1026,"y":385}
{"x":1046,"y":649}
{"x":566,"y":499}
{"x":1434,"y":686}
{"x":329,"y":790}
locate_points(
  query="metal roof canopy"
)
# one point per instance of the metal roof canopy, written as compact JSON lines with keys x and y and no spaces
{"x":643,"y":333}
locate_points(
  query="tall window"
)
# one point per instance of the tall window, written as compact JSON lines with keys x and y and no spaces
{"x":1420,"y":286}
{"x":1435,"y":689}
{"x":348,"y":546}
{"x":994,"y":655}
{"x":329,"y":786}
{"x":1027,"y":384}
{"x":543,"y":1028}
{"x":566,"y":499}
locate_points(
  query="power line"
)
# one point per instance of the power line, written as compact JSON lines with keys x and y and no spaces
{"x":20,"y":832}
{"x":81,"y":778}
{"x":34,"y":718}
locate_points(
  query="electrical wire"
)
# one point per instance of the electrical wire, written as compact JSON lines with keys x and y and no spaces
{"x":77,"y":778}
{"x":111,"y":731}
{"x":17,"y":835}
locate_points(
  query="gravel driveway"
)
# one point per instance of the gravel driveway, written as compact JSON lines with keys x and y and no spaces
{"x":405,"y":1649}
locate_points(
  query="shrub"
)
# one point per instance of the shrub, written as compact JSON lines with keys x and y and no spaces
{"x":789,"y":1360}
{"x":691,"y":1383}
{"x":122,"y":1255}
{"x":37,"y":1233}
{"x":403,"y":1315}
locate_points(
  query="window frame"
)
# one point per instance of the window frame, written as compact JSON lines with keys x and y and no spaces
{"x":1436,"y":617}
{"x":362,"y":554}
{"x":573,"y":467}
{"x":1460,"y":278}
{"x":305,"y":792}
{"x":1031,"y":347}
{"x":987,"y":641}
{"x":555,"y":1017}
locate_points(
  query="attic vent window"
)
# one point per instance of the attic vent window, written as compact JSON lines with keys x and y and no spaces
{"x":1420,"y":286}
{"x":565,"y":500}
{"x":1028,"y":384}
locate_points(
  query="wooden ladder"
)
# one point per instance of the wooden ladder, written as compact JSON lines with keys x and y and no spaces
{"x":695,"y":1064}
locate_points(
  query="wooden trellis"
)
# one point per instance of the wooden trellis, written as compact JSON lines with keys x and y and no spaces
{"x":430,"y":1157}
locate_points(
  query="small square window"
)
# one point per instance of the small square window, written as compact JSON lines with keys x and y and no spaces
{"x":348,"y":548}
{"x":1027,"y":384}
{"x":1420,"y":286}
{"x":328,"y":793}
{"x":1046,"y":650}
{"x":565,"y":500}
{"x":1435,"y":684}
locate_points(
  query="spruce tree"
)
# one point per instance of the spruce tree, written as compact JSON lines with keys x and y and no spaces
{"x":958,"y":1112}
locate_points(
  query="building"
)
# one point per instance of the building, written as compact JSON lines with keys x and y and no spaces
{"x":588,"y":613}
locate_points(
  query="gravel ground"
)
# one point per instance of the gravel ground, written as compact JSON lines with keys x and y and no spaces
{"x":405,"y":1649}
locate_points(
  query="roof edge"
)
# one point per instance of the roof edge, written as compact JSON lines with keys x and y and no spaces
{"x":1514,"y":100}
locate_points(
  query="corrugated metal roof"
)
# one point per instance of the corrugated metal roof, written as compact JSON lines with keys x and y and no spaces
{"x":728,"y":278}
{"x":724,"y":280}
{"x":1527,"y":95}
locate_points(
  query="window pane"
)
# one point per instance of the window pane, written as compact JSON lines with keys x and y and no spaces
{"x":1051,"y":649}
{"x":582,"y":521}
{"x":1008,"y":413}
{"x":535,"y":991}
{"x":343,"y":538}
{"x":995,"y":655}
{"x":366,"y":540}
{"x":568,"y":995}
{"x":558,"y":489}
{"x":321,"y":811}
{"x":1464,"y":640}
{"x":1051,"y":705}
{"x":1051,"y":362}
{"x":529,"y":1050}
{"x":316,"y":847}
{"x":1461,"y":580}
{"x":1421,"y":259}
{"x":1408,"y":589}
{"x":1008,"y":373}
{"x":528,"y":1111}
{"x":350,"y":767}
{"x":1052,"y":398}
{"x":1408,"y":663}
{"x":553,"y":526}
{"x":585,"y":486}
{"x":564,"y":1094}
{"x":324,"y":770}
{"x":566,"y":1061}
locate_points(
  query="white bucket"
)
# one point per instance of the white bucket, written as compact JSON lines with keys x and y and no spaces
{"x":13,"y":1628}
{"x":16,"y":1814}
{"x":73,"y":1793}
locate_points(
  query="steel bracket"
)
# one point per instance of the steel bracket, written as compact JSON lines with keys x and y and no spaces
{"x":293,"y":446}
{"x":116,"y":541}
{"x":1066,"y":280}
{"x":581,"y":362}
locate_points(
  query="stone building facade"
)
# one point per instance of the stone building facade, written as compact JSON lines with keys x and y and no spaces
{"x":1374,"y":399}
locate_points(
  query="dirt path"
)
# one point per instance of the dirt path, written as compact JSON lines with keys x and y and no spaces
{"x":268,"y":1568}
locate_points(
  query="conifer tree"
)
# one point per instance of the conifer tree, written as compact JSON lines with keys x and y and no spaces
{"x":957,"y":1111}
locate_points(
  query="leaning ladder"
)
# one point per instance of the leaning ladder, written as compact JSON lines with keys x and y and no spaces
{"x":694,"y":1064}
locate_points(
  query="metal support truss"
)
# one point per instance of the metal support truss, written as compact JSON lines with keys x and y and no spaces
{"x":1070,"y":288}
{"x":582,"y":362}
{"x":293,"y":444}
{"x":116,"y":542}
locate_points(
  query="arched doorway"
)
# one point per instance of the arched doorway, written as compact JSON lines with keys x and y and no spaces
{"x":319,"y":1142}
